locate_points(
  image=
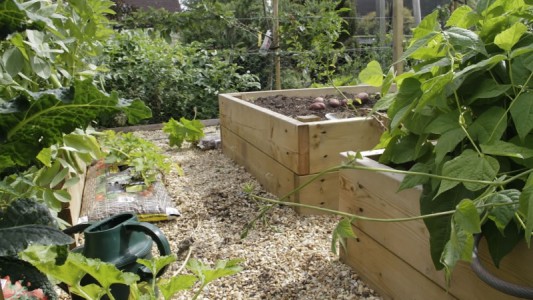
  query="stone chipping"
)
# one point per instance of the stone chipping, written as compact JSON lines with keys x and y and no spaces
{"x":287,"y":256}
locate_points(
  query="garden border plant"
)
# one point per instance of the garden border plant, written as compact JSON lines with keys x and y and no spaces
{"x":460,"y":118}
{"x":47,"y":100}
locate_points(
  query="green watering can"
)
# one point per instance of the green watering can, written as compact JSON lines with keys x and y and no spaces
{"x":120,"y":240}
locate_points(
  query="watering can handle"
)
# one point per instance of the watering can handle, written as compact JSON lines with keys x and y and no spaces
{"x":157,"y":236}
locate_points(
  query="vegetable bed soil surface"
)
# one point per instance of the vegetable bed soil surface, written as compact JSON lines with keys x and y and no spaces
{"x":294,"y":106}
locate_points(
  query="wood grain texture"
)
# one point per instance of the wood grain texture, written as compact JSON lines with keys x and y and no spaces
{"x":373,"y":194}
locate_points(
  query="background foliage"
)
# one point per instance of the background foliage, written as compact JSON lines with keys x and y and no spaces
{"x":173,"y":79}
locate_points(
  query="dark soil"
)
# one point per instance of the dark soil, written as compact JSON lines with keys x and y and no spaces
{"x":300,"y":106}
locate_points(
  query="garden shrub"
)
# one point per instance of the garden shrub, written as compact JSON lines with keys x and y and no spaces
{"x":174,"y":80}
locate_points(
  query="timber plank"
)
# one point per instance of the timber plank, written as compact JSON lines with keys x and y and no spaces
{"x":373,"y":194}
{"x":273,"y":176}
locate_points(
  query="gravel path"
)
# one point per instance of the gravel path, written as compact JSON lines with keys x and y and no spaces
{"x":288,"y":257}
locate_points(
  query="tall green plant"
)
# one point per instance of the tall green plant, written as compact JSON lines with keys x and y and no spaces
{"x":174,"y":80}
{"x":311,"y":31}
{"x":48,"y":44}
{"x":462,"y":115}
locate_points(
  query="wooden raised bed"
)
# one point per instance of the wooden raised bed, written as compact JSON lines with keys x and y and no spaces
{"x":394,"y":258}
{"x":282,"y":153}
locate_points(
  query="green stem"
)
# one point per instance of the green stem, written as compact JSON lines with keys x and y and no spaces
{"x":362,"y":218}
{"x":197,"y":294}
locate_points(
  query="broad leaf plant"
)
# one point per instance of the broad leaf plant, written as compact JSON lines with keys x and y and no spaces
{"x":461,"y":121}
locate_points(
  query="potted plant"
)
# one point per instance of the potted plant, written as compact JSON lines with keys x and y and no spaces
{"x":460,"y":127}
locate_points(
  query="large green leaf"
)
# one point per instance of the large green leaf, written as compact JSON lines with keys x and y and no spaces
{"x":489,"y":126}
{"x":501,"y":148}
{"x":440,"y":227}
{"x":466,"y":217}
{"x":503,"y":210}
{"x":406,"y":97}
{"x":372,"y":74}
{"x":459,"y":247}
{"x":462,"y":17}
{"x":501,"y":243}
{"x":26,"y":211}
{"x":410,"y":181}
{"x":35,"y":121}
{"x":75,"y":268}
{"x":432,"y":89}
{"x":464,"y":38}
{"x":469,"y":165}
{"x":522,"y":113}
{"x":447,"y":142}
{"x":526,"y":207}
{"x":15,"y":239}
{"x":171,"y":286}
{"x":509,"y":37}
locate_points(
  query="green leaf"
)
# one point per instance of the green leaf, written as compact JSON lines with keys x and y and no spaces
{"x":13,"y":61}
{"x":45,"y":175}
{"x":469,"y":165}
{"x":522,"y":114}
{"x":447,"y":142}
{"x":83,"y":143}
{"x":464,"y":38}
{"x":462,"y":17}
{"x":410,"y":181}
{"x":17,"y":238}
{"x":501,"y":243}
{"x":25,"y":211}
{"x":406,"y":97}
{"x":372,"y":74}
{"x":77,"y":267}
{"x":157,"y":263}
{"x":509,"y":37}
{"x":489,"y":126}
{"x":486,"y":64}
{"x":459,"y":247}
{"x":45,"y":157}
{"x":184,"y":130}
{"x":444,"y":122}
{"x":34,"y":121}
{"x":440,"y":227}
{"x":489,"y":88}
{"x":467,"y":217}
{"x":62,"y":196}
{"x":433,"y":88}
{"x":60,"y":176}
{"x":169,"y":287}
{"x":503,"y":210}
{"x":342,"y":231}
{"x":41,"y":67}
{"x":501,"y":148}
{"x":222,"y":268}
{"x":429,"y":24}
{"x":421,"y":44}
{"x":526,"y":207}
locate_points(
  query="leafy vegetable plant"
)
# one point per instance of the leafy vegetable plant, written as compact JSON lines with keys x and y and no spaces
{"x":462,"y":116}
{"x":76,"y":266}
{"x":183,"y":130}
{"x":127,"y":149}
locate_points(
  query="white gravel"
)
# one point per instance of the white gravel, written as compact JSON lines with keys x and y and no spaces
{"x":287,"y":257}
